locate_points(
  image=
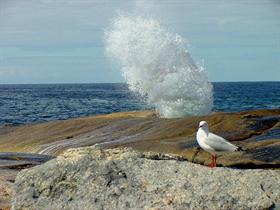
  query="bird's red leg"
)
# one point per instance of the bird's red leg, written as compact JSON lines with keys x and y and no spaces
{"x":215,"y":160}
{"x":212,"y":161}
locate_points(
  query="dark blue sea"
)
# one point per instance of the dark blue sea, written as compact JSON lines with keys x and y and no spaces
{"x":23,"y":104}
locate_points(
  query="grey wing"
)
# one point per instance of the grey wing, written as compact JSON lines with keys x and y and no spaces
{"x":219,"y":144}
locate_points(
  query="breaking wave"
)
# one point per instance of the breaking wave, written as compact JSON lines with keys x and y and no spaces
{"x":157,"y":65}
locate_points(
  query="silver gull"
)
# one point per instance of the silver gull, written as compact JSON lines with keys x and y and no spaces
{"x":213,"y":143}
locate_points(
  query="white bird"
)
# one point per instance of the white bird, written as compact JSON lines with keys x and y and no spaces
{"x":212,"y":143}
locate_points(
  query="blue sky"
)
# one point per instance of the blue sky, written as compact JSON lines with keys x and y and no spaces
{"x":61,"y":41}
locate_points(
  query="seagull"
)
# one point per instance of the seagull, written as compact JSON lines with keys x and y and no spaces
{"x":213,"y":143}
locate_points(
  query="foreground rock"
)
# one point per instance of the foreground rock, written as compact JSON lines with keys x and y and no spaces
{"x":10,"y":165}
{"x":90,"y":178}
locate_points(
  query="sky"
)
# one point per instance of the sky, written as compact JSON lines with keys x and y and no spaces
{"x":62,"y":41}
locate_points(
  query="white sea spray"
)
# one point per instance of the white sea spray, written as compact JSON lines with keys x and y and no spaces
{"x":157,"y":65}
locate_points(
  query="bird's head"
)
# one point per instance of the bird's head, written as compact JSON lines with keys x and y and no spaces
{"x":203,"y":125}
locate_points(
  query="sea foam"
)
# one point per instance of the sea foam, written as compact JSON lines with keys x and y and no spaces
{"x":157,"y":65}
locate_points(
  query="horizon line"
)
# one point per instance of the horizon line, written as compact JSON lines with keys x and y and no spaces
{"x":73,"y":83}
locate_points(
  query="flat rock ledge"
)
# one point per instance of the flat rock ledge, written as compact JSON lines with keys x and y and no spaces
{"x":92,"y":178}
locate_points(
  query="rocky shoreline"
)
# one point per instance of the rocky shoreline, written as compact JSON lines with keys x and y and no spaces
{"x":258,"y":131}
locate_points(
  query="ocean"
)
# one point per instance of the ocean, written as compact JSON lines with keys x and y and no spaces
{"x":24,"y":104}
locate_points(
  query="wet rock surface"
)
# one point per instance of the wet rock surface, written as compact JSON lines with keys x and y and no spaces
{"x":90,"y":178}
{"x":258,"y":131}
{"x":13,"y":160}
